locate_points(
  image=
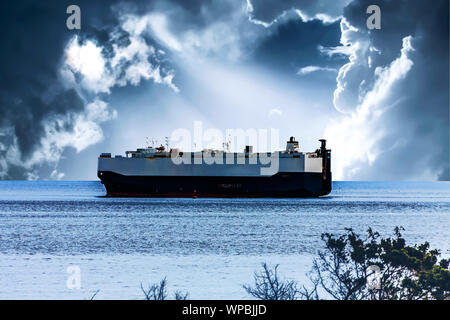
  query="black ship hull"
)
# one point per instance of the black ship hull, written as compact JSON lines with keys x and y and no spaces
{"x":291,"y":184}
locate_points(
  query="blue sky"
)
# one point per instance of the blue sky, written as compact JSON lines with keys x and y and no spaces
{"x":140,"y":69}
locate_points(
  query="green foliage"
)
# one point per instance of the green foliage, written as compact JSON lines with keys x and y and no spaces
{"x":348,"y":266}
{"x":344,"y":269}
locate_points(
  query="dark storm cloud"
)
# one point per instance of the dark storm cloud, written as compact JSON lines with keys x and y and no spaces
{"x":415,"y":125}
{"x":183,"y":15}
{"x":421,"y":19}
{"x":34,"y":36}
{"x":294,"y":44}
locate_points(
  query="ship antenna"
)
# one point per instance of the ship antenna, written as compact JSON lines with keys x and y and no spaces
{"x":167,"y":143}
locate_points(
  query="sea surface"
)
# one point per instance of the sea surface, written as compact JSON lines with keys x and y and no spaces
{"x":53,"y":231}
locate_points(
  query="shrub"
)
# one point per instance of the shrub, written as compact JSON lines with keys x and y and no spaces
{"x":158,"y":291}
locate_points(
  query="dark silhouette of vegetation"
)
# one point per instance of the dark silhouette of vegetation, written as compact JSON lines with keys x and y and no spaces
{"x":268,"y":285}
{"x":178,"y":295}
{"x":158,"y":291}
{"x":369,"y":268}
{"x":94,"y":294}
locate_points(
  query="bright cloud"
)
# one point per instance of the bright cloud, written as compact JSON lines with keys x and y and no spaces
{"x":355,"y":138}
{"x":323,"y":10}
{"x":312,"y":69}
{"x":85,"y":131}
{"x":128,"y":65}
{"x":275,"y":112}
{"x":87,"y":60}
{"x":89,"y":71}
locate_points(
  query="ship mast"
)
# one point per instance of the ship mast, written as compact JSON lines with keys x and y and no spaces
{"x":167,"y":143}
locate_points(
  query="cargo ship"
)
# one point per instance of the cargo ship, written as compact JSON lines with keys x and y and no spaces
{"x":157,"y":172}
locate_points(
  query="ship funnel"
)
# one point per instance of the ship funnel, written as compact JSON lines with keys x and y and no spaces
{"x":323,"y":147}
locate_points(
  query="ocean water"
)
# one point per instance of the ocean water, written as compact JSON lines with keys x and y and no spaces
{"x":209,"y":247}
